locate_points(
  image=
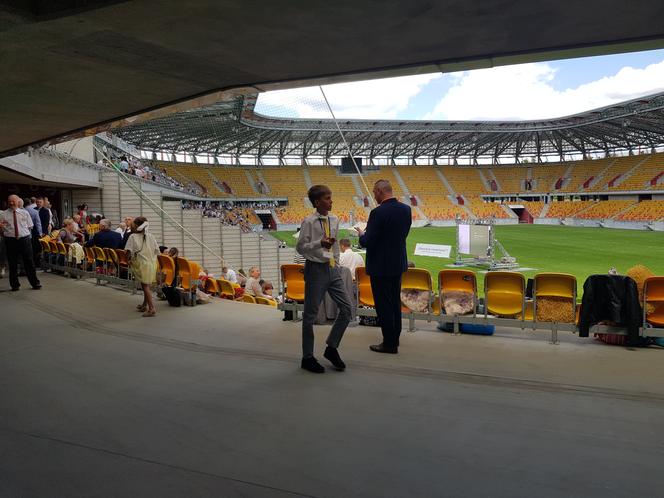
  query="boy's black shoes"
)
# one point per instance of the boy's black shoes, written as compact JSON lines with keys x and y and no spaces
{"x":333,"y":356}
{"x":312,"y":365}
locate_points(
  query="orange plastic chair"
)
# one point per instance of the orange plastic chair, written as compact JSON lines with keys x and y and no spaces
{"x":211,"y":286}
{"x":112,"y":260}
{"x":265,"y":301}
{"x":184,"y":273}
{"x":166,"y":265}
{"x":89,"y":257}
{"x":456,"y":281}
{"x":292,"y":276}
{"x":418,"y":279}
{"x":194,"y":270}
{"x":560,"y":285}
{"x":226,"y":289}
{"x":505,"y":293}
{"x":364,"y":294}
{"x":653,"y":294}
{"x":123,"y":262}
{"x":248,"y":298}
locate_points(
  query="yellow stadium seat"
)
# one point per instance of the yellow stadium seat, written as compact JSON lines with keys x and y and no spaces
{"x":226,"y":289}
{"x":89,"y":258}
{"x":292,"y":276}
{"x":456,"y":281}
{"x":266,"y":301}
{"x":211,"y":286}
{"x":505,"y":293}
{"x":112,"y":260}
{"x":248,"y":298}
{"x":653,"y":294}
{"x":364,"y":293}
{"x":184,"y":273}
{"x":166,"y":265}
{"x":123,"y":261}
{"x":418,"y":279}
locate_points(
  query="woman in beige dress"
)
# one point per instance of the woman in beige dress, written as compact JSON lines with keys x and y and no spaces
{"x":143,"y":249}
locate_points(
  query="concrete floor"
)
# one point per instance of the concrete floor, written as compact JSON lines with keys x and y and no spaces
{"x":210,"y":401}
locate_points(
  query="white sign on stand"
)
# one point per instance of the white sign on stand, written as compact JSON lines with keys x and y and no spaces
{"x":434,"y":250}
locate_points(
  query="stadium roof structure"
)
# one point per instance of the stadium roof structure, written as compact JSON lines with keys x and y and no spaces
{"x":234,"y":128}
{"x":72,"y":65}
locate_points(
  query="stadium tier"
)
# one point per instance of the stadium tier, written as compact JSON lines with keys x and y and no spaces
{"x":604,"y":210}
{"x":643,"y":211}
{"x":444,"y":192}
{"x":535,"y":208}
{"x":567,"y":209}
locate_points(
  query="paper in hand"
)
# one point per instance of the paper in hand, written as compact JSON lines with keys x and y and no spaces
{"x":361,"y":225}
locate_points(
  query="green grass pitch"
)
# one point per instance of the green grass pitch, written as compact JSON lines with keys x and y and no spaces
{"x":575,"y":250}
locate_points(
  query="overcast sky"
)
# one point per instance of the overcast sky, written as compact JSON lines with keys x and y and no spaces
{"x":525,"y":91}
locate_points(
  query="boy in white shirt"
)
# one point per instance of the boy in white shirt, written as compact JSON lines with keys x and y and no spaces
{"x":318,"y":244}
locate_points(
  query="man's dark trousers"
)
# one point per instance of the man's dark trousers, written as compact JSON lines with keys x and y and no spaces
{"x":20,"y":248}
{"x":387,"y":296}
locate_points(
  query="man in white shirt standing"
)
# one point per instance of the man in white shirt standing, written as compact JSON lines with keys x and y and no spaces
{"x":348,"y":258}
{"x":16,"y":225}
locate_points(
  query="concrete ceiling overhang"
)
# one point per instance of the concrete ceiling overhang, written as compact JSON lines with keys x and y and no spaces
{"x":74,"y":64}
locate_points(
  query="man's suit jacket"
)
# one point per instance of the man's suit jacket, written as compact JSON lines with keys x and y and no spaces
{"x":125,"y":238}
{"x":385,"y":239}
{"x":45,"y":218}
{"x":105,"y":238}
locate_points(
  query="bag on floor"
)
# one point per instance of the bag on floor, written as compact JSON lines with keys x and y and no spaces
{"x":173,"y":295}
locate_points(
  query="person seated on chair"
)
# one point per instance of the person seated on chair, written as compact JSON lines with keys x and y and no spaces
{"x":68,"y":234}
{"x":105,"y":237}
{"x":267,"y":289}
{"x":253,"y":286}
{"x":241,"y":278}
{"x":229,"y":274}
{"x":348,"y":258}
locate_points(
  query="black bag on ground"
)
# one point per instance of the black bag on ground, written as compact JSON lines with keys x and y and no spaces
{"x":172,"y":295}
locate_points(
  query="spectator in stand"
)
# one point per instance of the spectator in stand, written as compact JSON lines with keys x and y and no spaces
{"x":143,"y":250}
{"x":55,"y":221}
{"x":229,"y":274}
{"x":36,"y":231}
{"x":348,"y":258}
{"x":124,"y":165}
{"x":252,"y":286}
{"x":129,"y":222}
{"x":267,"y":289}
{"x":105,"y":237}
{"x":163,"y":250}
{"x":121,"y":228}
{"x":16,"y":226}
{"x":77,"y":222}
{"x":83,"y":213}
{"x":44,"y":216}
{"x":68,"y":234}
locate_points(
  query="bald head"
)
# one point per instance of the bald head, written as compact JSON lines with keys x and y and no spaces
{"x":382,"y":191}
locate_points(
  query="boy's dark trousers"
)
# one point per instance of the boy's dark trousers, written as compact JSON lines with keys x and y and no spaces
{"x":320,"y":278}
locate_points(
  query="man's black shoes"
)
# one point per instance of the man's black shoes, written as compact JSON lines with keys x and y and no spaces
{"x":333,"y":356}
{"x":36,"y":287}
{"x":382,"y":348}
{"x":311,"y":364}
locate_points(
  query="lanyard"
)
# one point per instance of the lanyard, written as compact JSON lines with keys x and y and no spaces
{"x":322,"y":227}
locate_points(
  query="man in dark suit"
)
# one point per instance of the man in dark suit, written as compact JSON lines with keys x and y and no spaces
{"x":44,"y":216}
{"x":105,"y":237}
{"x":385,"y":241}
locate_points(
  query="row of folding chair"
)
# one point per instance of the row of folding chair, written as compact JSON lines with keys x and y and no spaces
{"x":187,"y":271}
{"x":504,"y":291}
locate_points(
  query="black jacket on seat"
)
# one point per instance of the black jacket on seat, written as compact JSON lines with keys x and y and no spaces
{"x":613,"y":298}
